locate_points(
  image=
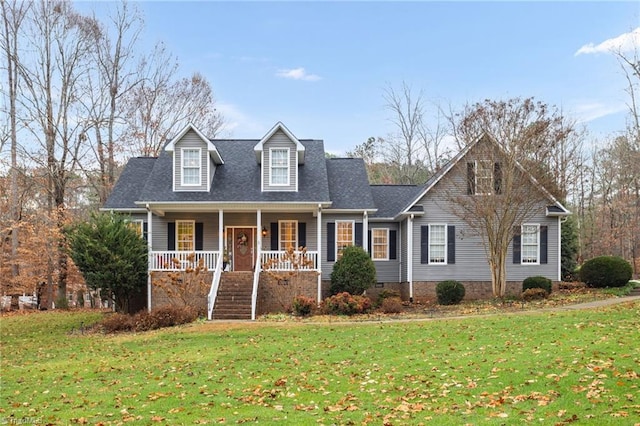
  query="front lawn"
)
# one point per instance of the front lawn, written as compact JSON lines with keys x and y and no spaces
{"x":538,"y":368}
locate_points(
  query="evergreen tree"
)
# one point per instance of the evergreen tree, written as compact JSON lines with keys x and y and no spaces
{"x":569,"y":249}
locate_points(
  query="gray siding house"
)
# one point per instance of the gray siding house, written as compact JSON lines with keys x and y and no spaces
{"x":237,"y":206}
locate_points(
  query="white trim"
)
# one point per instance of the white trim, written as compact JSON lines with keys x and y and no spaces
{"x":559,"y":249}
{"x":211,"y":148}
{"x":193,"y":241}
{"x":410,"y":256}
{"x":183,"y":167}
{"x":365,"y":232}
{"x":373,"y":245}
{"x":491,"y":176}
{"x":300,"y":149}
{"x":288,"y":166}
{"x":319,"y":249}
{"x":446,"y":260}
{"x":297,"y":240}
{"x":149,"y":254}
{"x":353,"y":235}
{"x":537,"y":262}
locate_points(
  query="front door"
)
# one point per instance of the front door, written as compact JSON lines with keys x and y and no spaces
{"x":243,"y":239}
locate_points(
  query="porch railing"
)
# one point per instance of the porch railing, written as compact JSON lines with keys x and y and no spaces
{"x":180,"y":260}
{"x":213,"y":292}
{"x":280,"y":260}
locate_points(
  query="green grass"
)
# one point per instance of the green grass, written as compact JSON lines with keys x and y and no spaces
{"x":621,"y":291}
{"x":579,"y":367}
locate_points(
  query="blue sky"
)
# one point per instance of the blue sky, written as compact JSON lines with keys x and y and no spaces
{"x":321,"y":67}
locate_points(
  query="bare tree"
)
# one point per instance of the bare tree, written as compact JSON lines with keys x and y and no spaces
{"x":503,"y":187}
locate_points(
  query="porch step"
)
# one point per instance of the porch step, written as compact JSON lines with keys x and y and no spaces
{"x":234,"y":296}
{"x":635,"y":292}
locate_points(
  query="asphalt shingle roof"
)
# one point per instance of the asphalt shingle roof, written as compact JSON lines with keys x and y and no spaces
{"x":348,"y":184}
{"x":392,"y":199}
{"x":129,"y":185}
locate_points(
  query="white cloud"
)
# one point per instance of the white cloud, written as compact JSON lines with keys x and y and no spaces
{"x":297,"y":74}
{"x":623,"y":43}
{"x":237,"y":124}
{"x":589,"y":111}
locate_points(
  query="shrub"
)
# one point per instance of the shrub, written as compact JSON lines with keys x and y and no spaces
{"x":537,"y":282}
{"x":606,"y":271}
{"x":449,"y":292}
{"x":353,"y":273}
{"x":346,"y":304}
{"x":385,"y":294}
{"x":391,"y":305}
{"x":166,"y":316}
{"x":303,"y":306}
{"x":117,"y":322}
{"x":534,"y":293}
{"x":62,"y":303}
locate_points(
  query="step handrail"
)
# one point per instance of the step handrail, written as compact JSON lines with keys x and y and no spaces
{"x":256,"y":280}
{"x":215,"y":284}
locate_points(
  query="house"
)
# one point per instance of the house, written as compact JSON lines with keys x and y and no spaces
{"x":240,"y":204}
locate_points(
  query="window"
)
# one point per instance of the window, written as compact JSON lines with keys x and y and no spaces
{"x":288,"y":234}
{"x":138,"y":226}
{"x":191,"y":166}
{"x":380,"y":244}
{"x":530,"y":244}
{"x":437,"y":244}
{"x":484,"y":177}
{"x":344,"y":236}
{"x":279,"y":166}
{"x":185,"y":235}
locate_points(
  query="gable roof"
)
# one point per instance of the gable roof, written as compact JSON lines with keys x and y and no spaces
{"x":280,"y":126}
{"x":559,"y":209}
{"x":349,"y":185}
{"x":391,"y":199}
{"x":213,"y":152}
{"x":127,"y":189}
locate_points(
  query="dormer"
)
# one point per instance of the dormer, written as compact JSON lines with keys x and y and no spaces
{"x":195,"y":159}
{"x":279,"y":154}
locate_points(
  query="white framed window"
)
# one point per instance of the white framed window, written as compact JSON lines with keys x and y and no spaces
{"x":380,"y":243}
{"x":484,"y":177}
{"x":191,"y":167}
{"x":530,"y":244}
{"x":138,"y":226}
{"x":185,"y":235}
{"x":279,"y":166}
{"x":288,"y":237}
{"x":438,"y":244}
{"x":344,"y":236}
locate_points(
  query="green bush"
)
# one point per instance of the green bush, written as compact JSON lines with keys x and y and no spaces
{"x":391,"y":305}
{"x":62,"y":303}
{"x":346,"y":304}
{"x":353,"y":273}
{"x":534,"y":293}
{"x":449,"y":292}
{"x":303,"y":306}
{"x":537,"y":282}
{"x":385,"y":294}
{"x":606,"y":271}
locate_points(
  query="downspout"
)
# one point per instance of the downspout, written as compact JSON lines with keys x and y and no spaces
{"x":319,"y":255}
{"x":560,"y":221}
{"x":149,"y":255}
{"x":410,"y":256}
{"x":365,"y":231}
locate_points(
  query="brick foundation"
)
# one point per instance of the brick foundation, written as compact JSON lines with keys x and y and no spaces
{"x":277,"y":295}
{"x":197,"y":296}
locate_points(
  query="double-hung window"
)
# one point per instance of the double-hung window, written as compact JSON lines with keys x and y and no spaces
{"x":438,"y":244}
{"x":288,"y":234}
{"x":344,"y":236}
{"x":191,"y":165}
{"x":185,"y":235}
{"x":484,"y":177}
{"x":530,"y":244}
{"x":380,"y":243}
{"x":279,"y":166}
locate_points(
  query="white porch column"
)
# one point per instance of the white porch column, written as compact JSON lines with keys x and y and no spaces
{"x":559,"y":248}
{"x":319,"y":249}
{"x":365,"y":232}
{"x":221,"y":231}
{"x":149,"y":259}
{"x":410,"y":256}
{"x":259,"y":232}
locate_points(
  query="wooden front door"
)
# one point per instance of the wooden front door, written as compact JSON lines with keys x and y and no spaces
{"x":243,"y":242}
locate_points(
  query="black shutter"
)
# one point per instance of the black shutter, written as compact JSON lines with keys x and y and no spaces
{"x":331,"y":241}
{"x":451,"y":244}
{"x":358,"y":234}
{"x":471,"y":178}
{"x":171,"y":236}
{"x":517,"y":257}
{"x":497,"y":178}
{"x":274,"y":236}
{"x":424,"y":244}
{"x":145,"y":231}
{"x":393,"y":247}
{"x":302,"y":234}
{"x":369,"y":243}
{"x":543,"y":245}
{"x":199,"y":236}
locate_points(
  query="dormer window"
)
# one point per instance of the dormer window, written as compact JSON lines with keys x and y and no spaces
{"x":279,"y":166}
{"x":191,"y":167}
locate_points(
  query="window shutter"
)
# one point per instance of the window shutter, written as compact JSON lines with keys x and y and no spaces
{"x":274,"y":236}
{"x":171,"y":236}
{"x":393,"y":248}
{"x":517,"y":256}
{"x":451,"y":244}
{"x":302,"y":234}
{"x":543,"y":244}
{"x":369,"y":243}
{"x":358,"y":234}
{"x":199,"y":236}
{"x":331,"y":241}
{"x":424,"y":244}
{"x":471,"y":178}
{"x":497,"y":178}
{"x":145,"y":231}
